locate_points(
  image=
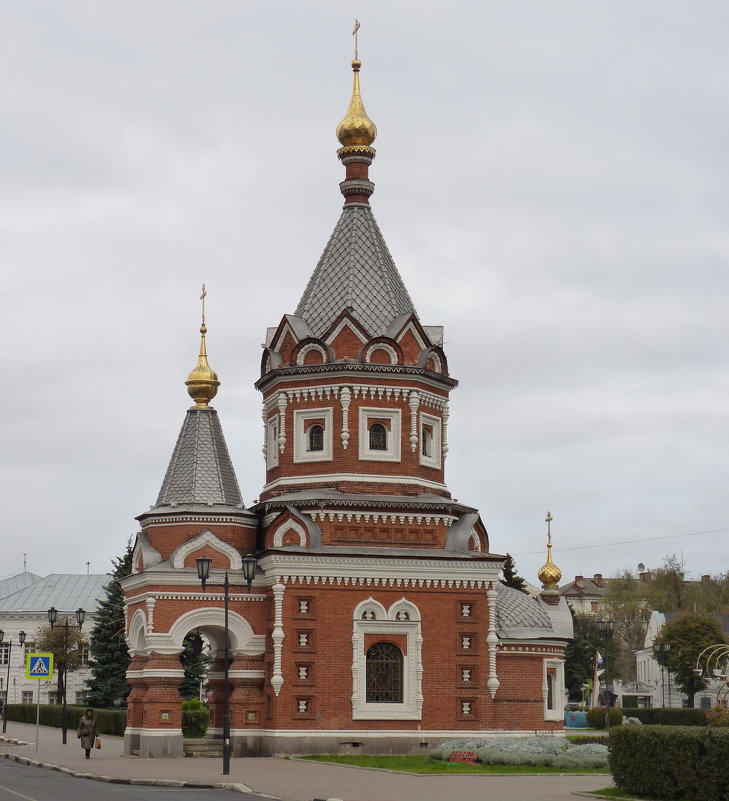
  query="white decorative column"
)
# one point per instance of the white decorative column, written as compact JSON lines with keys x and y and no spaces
{"x":282,"y":404}
{"x":413,"y":403}
{"x":150,"y":614}
{"x":345,"y":397}
{"x":264,"y":415}
{"x":446,"y":412}
{"x":492,"y":640}
{"x":277,"y":678}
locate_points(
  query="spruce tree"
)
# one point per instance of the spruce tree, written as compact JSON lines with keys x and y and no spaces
{"x":195,"y":663}
{"x":511,"y":579}
{"x":110,"y":658}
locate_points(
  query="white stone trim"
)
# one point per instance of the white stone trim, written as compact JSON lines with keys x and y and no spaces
{"x":437,"y":360}
{"x":411,"y":327}
{"x":325,"y":392}
{"x":301,"y":417}
{"x":270,"y":446}
{"x":412,"y":705}
{"x":151,"y":601}
{"x":345,"y":398}
{"x":393,"y":451}
{"x":205,"y":538}
{"x":137,"y":632}
{"x":360,"y":477}
{"x":278,"y":637}
{"x":446,"y":413}
{"x":243,"y":640}
{"x":389,"y":350}
{"x":289,"y":525}
{"x":558,"y":694}
{"x":340,"y":515}
{"x":307,"y":349}
{"x":434,"y":460}
{"x":492,"y":640}
{"x":338,"y":330}
{"x":414,"y":403}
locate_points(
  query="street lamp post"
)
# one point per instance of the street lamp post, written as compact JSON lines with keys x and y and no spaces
{"x":21,"y":641}
{"x":605,"y":628}
{"x":52,"y":618}
{"x":203,"y":572}
{"x":665,"y":647}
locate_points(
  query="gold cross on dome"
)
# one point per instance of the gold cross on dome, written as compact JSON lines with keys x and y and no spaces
{"x":202,"y":298}
{"x":356,"y":38}
{"x":548,"y":520}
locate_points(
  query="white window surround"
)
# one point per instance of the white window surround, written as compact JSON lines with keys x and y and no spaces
{"x":387,"y":624}
{"x":312,"y":346}
{"x":434,"y":423}
{"x":388,"y":349}
{"x":370,"y":415}
{"x":301,"y":439}
{"x":556,"y":712}
{"x":272,"y":442}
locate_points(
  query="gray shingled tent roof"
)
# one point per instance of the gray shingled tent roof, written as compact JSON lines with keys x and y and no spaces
{"x":355,"y":272}
{"x":518,"y":614}
{"x":200,"y":470}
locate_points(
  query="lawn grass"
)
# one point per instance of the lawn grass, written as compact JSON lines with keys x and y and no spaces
{"x":615,"y":793}
{"x":421,"y":763}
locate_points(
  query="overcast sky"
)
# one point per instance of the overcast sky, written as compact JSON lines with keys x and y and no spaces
{"x":551,"y":178}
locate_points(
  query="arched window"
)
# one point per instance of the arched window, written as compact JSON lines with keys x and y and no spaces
{"x":316,"y":438}
{"x":550,"y":691}
{"x":427,"y":443}
{"x":378,"y":437}
{"x":384,"y":674}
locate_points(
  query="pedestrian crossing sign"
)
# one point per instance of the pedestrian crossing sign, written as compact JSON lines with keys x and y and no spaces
{"x":39,"y":666}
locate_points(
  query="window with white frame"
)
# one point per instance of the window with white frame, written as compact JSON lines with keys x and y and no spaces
{"x":430,"y":440}
{"x":313,"y":435}
{"x":272,"y":442}
{"x":553,"y":688}
{"x":379,"y":434}
{"x":4,"y":653}
{"x":387,"y":663}
{"x":26,"y":697}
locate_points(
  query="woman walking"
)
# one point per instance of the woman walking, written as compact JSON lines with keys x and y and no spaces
{"x":87,"y":731}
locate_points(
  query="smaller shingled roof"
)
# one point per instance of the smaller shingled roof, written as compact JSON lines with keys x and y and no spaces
{"x":519,"y":614}
{"x":200,"y":470}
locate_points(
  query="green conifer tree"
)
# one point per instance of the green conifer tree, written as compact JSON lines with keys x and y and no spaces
{"x":511,"y":579}
{"x":110,"y":658}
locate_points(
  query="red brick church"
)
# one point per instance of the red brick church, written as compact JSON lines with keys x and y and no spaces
{"x":375,"y":615}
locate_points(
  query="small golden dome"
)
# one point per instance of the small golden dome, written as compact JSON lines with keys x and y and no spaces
{"x":356,"y":129}
{"x":549,"y":574}
{"x":202,"y":383}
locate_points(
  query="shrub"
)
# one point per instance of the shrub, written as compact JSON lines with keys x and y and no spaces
{"x":531,"y":751}
{"x":193,"y":703}
{"x":667,"y":716}
{"x":109,"y":721}
{"x":194,"y":722}
{"x":718,"y":716}
{"x":596,"y":717}
{"x":671,"y":762}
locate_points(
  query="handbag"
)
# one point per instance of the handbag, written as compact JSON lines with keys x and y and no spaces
{"x":97,"y":744}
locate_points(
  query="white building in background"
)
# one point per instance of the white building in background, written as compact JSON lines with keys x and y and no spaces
{"x":655,"y":681}
{"x":24,"y":603}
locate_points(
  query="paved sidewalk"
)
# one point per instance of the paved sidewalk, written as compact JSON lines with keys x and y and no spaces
{"x":289,"y":779}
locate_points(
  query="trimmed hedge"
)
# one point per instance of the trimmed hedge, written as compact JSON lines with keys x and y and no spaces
{"x":666,"y":716}
{"x":596,"y":717}
{"x":194,"y":722}
{"x":109,"y":721}
{"x":671,"y":762}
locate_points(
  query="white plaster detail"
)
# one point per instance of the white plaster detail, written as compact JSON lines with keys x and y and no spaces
{"x":289,"y":525}
{"x":389,"y":350}
{"x":367,"y":416}
{"x":278,"y":636}
{"x":137,"y":633}
{"x":437,"y":363}
{"x":345,"y":398}
{"x":474,"y":540}
{"x":388,"y":623}
{"x":414,"y":331}
{"x":282,"y":402}
{"x":210,"y":620}
{"x":150,"y":613}
{"x":205,"y":538}
{"x":345,"y":323}
{"x":556,"y":711}
{"x":446,"y":412}
{"x":370,"y":478}
{"x":433,"y":424}
{"x":492,"y":640}
{"x":413,"y":403}
{"x":307,"y":349}
{"x":271,"y":445}
{"x":302,"y":417}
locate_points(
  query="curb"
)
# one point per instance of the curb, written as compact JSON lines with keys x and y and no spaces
{"x":234,"y":786}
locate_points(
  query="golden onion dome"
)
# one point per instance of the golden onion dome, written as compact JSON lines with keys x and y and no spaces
{"x":202,"y":383}
{"x":356,"y":129}
{"x":549,"y":574}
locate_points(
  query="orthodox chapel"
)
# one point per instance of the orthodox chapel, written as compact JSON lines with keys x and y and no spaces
{"x":362,"y":603}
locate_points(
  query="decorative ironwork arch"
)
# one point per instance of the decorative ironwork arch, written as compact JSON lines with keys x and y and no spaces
{"x":384,"y":674}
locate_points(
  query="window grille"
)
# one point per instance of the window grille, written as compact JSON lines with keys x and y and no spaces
{"x":378,"y":437}
{"x":316,"y":438}
{"x":384,"y":674}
